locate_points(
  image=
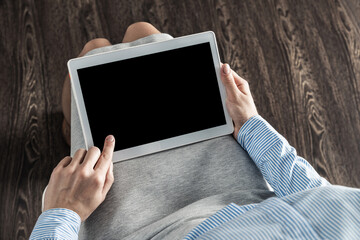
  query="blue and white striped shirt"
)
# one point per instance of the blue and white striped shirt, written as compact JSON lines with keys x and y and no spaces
{"x":306,"y":207}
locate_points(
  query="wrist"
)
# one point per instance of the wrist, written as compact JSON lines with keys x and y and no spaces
{"x":238,"y":135}
{"x":239,"y":124}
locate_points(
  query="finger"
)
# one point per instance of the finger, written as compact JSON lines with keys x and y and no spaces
{"x":92,"y":157}
{"x":109,"y":179}
{"x":227,"y":79}
{"x":78,"y":157}
{"x":241,"y":83}
{"x":106,"y":155}
{"x":64,"y":162}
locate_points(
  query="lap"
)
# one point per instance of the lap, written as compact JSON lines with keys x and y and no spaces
{"x":152,"y":190}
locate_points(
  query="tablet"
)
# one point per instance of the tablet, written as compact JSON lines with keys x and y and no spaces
{"x":151,"y":97}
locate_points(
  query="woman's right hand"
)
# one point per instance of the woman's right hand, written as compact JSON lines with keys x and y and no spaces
{"x":82,"y":182}
{"x":239,"y":101}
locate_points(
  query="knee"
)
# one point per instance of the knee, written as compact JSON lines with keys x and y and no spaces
{"x":139,"y":30}
{"x":95,"y":43}
{"x":139,"y":27}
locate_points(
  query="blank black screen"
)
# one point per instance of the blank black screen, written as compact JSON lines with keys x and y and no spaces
{"x":153,"y":97}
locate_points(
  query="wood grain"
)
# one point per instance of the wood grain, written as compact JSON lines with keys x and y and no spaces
{"x":28,"y":156}
{"x":301,"y":58}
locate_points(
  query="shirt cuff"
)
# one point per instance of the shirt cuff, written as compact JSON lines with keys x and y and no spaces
{"x":257,"y":136}
{"x":248,"y":126}
{"x":57,"y":223}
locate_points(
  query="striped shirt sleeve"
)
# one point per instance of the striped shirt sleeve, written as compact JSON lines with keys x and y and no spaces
{"x":57,"y":223}
{"x":278,"y":162}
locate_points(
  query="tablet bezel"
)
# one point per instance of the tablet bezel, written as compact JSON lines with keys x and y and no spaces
{"x":137,"y":51}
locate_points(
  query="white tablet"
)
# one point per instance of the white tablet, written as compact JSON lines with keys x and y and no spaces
{"x":151,"y":97}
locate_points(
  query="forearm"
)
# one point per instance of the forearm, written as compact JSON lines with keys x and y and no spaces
{"x":58,"y":223}
{"x":286,"y":172}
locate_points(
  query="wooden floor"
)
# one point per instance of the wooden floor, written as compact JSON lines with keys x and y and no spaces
{"x":301,"y":58}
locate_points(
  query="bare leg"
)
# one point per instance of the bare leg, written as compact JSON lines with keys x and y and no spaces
{"x":66,"y":94}
{"x":133,"y":32}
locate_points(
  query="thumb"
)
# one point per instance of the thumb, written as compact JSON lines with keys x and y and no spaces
{"x":228,"y":80}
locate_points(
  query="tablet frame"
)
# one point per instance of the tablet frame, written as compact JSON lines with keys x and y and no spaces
{"x":141,"y":50}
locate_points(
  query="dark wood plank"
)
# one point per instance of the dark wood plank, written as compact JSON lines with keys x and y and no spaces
{"x":301,"y":58}
{"x":30,"y":136}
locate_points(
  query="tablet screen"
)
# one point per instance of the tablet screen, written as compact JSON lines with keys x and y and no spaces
{"x":153,"y":97}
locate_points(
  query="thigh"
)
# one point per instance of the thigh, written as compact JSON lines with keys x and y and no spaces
{"x":66,"y":93}
{"x":134,"y":32}
{"x":77,"y":136}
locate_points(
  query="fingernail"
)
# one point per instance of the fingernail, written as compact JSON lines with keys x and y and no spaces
{"x":226,"y":69}
{"x":110,"y":138}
